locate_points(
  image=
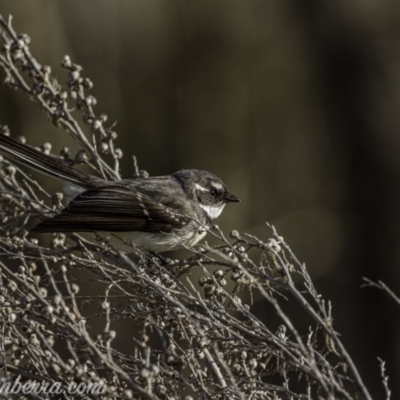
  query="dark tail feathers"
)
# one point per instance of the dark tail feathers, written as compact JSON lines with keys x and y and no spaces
{"x":35,"y":159}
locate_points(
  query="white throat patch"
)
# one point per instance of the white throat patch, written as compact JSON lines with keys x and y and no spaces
{"x":213,"y":211}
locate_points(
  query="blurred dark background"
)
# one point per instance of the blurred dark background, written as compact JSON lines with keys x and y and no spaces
{"x":295,"y":105}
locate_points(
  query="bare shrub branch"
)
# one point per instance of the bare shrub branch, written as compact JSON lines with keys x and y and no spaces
{"x":192,"y":338}
{"x":382,"y":286}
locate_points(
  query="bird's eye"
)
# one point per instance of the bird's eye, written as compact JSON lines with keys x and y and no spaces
{"x":213,"y":192}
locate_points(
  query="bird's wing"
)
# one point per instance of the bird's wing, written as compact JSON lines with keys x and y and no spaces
{"x":114,"y":209}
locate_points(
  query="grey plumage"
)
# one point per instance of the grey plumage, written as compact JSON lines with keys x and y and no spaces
{"x":157,"y":213}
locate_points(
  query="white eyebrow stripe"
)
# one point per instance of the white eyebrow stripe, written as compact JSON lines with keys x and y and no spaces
{"x":217,"y":185}
{"x":199,"y":187}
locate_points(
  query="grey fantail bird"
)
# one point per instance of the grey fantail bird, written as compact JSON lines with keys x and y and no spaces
{"x":155,"y":213}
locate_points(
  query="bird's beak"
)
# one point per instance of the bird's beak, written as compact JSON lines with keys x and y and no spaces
{"x":230,"y":198}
